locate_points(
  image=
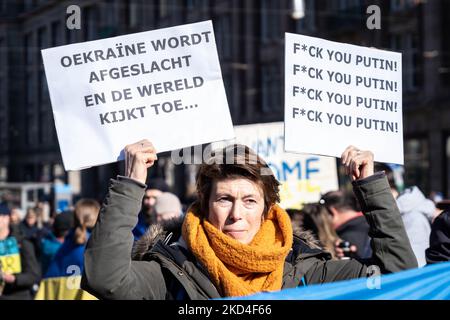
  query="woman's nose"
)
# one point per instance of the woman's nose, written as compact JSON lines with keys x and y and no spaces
{"x":236,"y":212}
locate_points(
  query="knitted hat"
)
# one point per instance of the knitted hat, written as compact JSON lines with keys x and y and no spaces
{"x":167,"y":202}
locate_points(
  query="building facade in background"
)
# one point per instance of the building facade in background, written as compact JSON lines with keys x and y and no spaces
{"x":250,"y":41}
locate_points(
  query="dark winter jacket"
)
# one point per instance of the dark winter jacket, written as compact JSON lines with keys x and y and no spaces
{"x":439,"y":250}
{"x":356,"y":231}
{"x":35,"y":236}
{"x":169,"y":271}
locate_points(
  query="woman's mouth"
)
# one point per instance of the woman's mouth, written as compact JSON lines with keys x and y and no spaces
{"x":235,"y":233}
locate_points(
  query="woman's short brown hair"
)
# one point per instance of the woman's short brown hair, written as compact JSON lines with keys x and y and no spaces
{"x":236,"y":161}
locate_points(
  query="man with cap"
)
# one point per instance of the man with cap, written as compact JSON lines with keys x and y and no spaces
{"x":168,"y":219}
{"x":20,"y":269}
{"x":146,"y":216}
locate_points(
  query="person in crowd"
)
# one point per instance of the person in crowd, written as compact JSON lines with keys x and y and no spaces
{"x":19,"y":267}
{"x":15,"y":216}
{"x":236,"y":240}
{"x":61,"y":281}
{"x":317,"y":219}
{"x":63,"y":223}
{"x":168,"y":222}
{"x":348,"y":221}
{"x":28,"y":226}
{"x":15,"y":224}
{"x":417,"y":213}
{"x":167,"y":206}
{"x":34,"y":229}
{"x":439,"y":250}
{"x":297,"y":220}
{"x":146,"y":216}
{"x":43,"y":218}
{"x":297,"y":217}
{"x":43,"y":211}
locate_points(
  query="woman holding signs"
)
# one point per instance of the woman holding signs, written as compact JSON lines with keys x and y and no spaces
{"x":235,"y":239}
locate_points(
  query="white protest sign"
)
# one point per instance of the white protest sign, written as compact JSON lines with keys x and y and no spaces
{"x":163,"y":85}
{"x":338,"y":95}
{"x":303,"y":178}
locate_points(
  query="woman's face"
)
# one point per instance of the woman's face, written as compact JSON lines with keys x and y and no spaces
{"x":236,"y":208}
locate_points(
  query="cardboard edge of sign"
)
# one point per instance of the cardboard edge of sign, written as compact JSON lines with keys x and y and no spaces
{"x":121,"y":156}
{"x":343,"y":43}
{"x":309,"y":153}
{"x":338,"y":157}
{"x":209,"y":22}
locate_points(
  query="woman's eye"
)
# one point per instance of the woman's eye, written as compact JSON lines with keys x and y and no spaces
{"x":250,"y":201}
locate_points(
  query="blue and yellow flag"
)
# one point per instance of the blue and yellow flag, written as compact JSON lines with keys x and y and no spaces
{"x":62,"y":280}
{"x":10,"y":256}
{"x":428,"y":283}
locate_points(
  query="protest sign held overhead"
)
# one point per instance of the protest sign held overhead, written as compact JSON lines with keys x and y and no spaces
{"x":338,"y":95}
{"x":163,"y":85}
{"x":303,"y":178}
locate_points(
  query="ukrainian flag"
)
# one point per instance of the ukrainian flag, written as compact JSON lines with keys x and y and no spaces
{"x":10,"y":256}
{"x":63,"y":278}
{"x":429,"y":283}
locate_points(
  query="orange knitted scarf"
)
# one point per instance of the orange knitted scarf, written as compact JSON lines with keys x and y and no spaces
{"x":241,"y":269}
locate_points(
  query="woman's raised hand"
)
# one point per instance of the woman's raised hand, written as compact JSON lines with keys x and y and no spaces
{"x":139,"y":157}
{"x":358,"y":163}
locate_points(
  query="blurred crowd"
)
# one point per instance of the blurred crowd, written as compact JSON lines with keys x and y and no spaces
{"x":42,"y":255}
{"x":337,"y":222}
{"x":32,"y":247}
